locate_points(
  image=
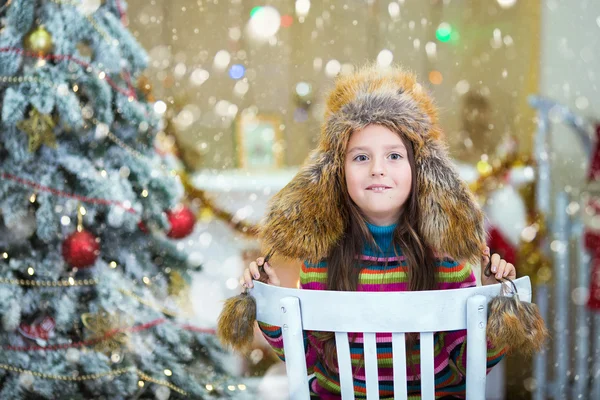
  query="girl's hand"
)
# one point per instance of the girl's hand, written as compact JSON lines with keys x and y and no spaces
{"x":499,"y":269}
{"x":252,"y":273}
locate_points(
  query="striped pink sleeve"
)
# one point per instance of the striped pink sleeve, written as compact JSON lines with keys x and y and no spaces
{"x":274,"y":337}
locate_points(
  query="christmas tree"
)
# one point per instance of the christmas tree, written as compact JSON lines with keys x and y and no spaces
{"x":90,"y":270}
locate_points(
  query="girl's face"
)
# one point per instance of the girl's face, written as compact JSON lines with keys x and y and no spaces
{"x":378,"y":173}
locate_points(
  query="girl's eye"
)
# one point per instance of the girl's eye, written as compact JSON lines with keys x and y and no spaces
{"x":360,"y":157}
{"x":395,"y":156}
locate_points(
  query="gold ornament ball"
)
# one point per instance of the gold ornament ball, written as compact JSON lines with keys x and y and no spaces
{"x":39,"y":40}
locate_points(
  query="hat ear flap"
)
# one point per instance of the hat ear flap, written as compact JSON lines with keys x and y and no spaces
{"x":451,"y":220}
{"x":306,"y":217}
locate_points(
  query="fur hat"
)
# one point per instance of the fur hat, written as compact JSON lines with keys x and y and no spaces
{"x":307,"y":217}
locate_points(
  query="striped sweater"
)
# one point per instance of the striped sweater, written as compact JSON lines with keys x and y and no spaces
{"x":384,"y":271}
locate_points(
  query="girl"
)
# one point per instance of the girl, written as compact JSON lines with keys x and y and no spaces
{"x":379,"y":207}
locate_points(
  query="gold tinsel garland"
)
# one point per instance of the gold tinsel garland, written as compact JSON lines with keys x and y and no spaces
{"x":491,"y":174}
{"x":530,"y":258}
{"x":89,"y":377}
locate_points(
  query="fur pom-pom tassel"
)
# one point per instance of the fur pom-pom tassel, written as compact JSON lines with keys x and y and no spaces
{"x":536,"y":333}
{"x":235,"y":327}
{"x":516,"y":324}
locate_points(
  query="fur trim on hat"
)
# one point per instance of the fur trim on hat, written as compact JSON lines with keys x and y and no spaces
{"x":306,"y":218}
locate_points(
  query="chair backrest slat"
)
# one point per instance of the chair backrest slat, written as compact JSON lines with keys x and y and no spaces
{"x":371,"y":373}
{"x":345,"y":365}
{"x":427,"y":366}
{"x":293,"y":346}
{"x":399,"y":365}
{"x":476,"y":346}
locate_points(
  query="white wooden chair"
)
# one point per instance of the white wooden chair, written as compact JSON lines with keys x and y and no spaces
{"x":425,"y":312}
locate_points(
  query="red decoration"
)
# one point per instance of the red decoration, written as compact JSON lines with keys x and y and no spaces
{"x":594,"y":299}
{"x":182,"y":221}
{"x":41,"y":328}
{"x":81,"y":249}
{"x":592,"y":233}
{"x":142,"y":227}
{"x":56,"y":192}
{"x":499,"y":244}
{"x":594,"y":172}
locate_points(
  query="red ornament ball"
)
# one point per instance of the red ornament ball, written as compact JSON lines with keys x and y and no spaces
{"x":142,"y":226}
{"x":81,"y":249}
{"x":182,"y":221}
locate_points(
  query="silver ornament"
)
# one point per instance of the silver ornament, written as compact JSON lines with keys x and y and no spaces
{"x":18,"y":231}
{"x":72,"y":356}
{"x":26,"y":380}
{"x":88,"y":7}
{"x":162,"y":393}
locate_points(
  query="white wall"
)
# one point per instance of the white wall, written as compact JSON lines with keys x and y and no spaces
{"x":570,"y":65}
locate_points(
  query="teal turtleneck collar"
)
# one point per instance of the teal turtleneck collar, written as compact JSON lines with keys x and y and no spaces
{"x":383,"y":237}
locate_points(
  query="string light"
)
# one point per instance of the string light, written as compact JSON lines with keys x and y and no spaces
{"x":61,"y":283}
{"x":21,"y":79}
{"x":149,"y":280}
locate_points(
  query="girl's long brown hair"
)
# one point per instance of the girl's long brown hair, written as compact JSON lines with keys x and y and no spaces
{"x":343,"y":267}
